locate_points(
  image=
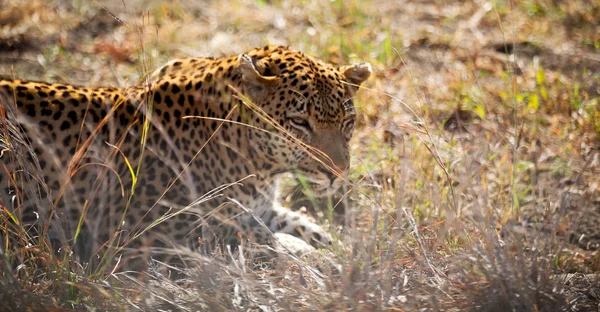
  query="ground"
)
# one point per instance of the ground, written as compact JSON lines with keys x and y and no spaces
{"x":475,"y":164}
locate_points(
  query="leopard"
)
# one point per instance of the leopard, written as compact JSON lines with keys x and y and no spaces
{"x":191,"y":155}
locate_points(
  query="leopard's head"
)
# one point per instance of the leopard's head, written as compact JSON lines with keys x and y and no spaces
{"x":311,"y":115}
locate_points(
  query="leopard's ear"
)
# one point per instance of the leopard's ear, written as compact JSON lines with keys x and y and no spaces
{"x":254,"y":84}
{"x":356,"y":74}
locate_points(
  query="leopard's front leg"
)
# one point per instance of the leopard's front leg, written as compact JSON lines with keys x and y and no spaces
{"x":284,"y":220}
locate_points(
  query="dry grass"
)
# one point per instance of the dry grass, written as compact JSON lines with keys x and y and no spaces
{"x":474,"y":166}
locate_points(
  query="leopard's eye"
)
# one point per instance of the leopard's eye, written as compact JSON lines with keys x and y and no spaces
{"x":299,"y":122}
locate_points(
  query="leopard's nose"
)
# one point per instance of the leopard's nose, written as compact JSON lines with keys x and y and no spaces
{"x":340,"y":160}
{"x":333,"y":146}
{"x":336,"y":156}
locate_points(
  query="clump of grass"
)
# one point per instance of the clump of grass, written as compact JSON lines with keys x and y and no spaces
{"x":511,"y":274}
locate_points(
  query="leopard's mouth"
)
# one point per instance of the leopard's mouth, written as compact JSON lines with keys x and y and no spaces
{"x":319,"y":181}
{"x":323,"y":186}
{"x":320,"y":190}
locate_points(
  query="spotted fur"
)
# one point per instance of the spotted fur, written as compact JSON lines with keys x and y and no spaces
{"x":199,"y":146}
